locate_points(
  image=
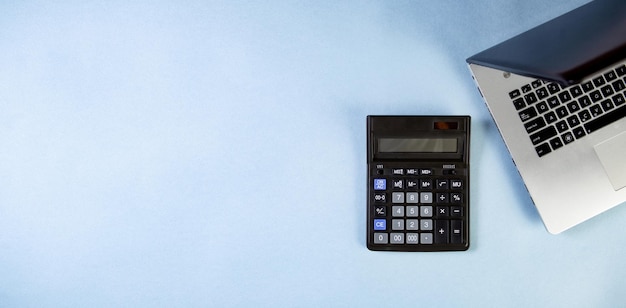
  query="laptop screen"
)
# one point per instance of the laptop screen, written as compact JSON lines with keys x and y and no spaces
{"x":566,"y":49}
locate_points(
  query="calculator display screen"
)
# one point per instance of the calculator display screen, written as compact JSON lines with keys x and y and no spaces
{"x":417,"y":145}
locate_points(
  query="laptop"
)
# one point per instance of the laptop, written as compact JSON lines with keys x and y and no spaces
{"x":557,"y":94}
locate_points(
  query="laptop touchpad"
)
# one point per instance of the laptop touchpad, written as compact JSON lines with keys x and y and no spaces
{"x":611,"y":154}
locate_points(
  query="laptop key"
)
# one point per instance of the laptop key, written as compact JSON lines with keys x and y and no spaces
{"x":573,"y":107}
{"x":596,"y":96}
{"x":543,"y":135}
{"x":588,"y":86}
{"x":553,"y":87}
{"x":565,"y":97}
{"x":542,"y":107}
{"x":618,"y":85}
{"x":579,"y":132}
{"x":585,"y":101}
{"x":598,"y":81}
{"x":530,"y":98}
{"x":519,"y":103}
{"x":543,"y":149}
{"x":556,"y":143}
{"x":562,"y":112}
{"x":573,"y":121}
{"x":550,"y":117}
{"x":618,"y":99}
{"x":568,"y":137}
{"x":534,"y":125}
{"x":584,"y":116}
{"x":605,"y":120}
{"x":607,"y":90}
{"x":607,"y":105}
{"x":610,"y":76}
{"x":542,"y":93}
{"x":596,"y":110}
{"x":528,"y":114}
{"x":576,"y":91}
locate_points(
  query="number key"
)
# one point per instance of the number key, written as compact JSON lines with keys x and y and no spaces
{"x":381,"y":238}
{"x":412,"y":224}
{"x":397,"y":197}
{"x":397,"y":238}
{"x":426,"y":211}
{"x":397,"y":211}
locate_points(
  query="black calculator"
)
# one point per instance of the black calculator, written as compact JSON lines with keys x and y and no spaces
{"x":418,"y":183}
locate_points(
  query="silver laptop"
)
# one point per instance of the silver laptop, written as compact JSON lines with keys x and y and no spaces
{"x":557,"y":93}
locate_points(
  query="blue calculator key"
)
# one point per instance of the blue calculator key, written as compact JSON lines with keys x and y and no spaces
{"x":380,"y":224}
{"x":380,"y":184}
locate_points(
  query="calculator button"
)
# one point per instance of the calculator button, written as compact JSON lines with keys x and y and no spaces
{"x":398,"y":184}
{"x":397,"y":171}
{"x":426,"y":197}
{"x":397,"y":238}
{"x":442,"y":198}
{"x":426,"y":238}
{"x":411,"y":171}
{"x":380,"y":197}
{"x":426,"y":171}
{"x":442,"y":184}
{"x":456,"y":197}
{"x":412,"y":224}
{"x":441,"y":231}
{"x":380,"y":211}
{"x":397,"y":197}
{"x":412,"y":211}
{"x":456,"y":235}
{"x":442,"y":211}
{"x":381,"y":238}
{"x":426,"y":224}
{"x":397,"y":211}
{"x":456,"y":184}
{"x":426,"y":184}
{"x":412,"y":197}
{"x":380,"y":184}
{"x":380,"y":224}
{"x":411,"y":183}
{"x":397,"y":224}
{"x":426,"y":211}
{"x":456,"y":211}
{"x":412,"y":238}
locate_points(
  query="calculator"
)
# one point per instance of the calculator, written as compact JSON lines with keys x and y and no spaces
{"x":418,"y":183}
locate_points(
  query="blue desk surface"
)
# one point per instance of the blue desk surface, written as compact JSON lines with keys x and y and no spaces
{"x":197,"y":153}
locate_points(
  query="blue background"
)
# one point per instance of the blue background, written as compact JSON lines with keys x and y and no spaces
{"x":195,"y":153}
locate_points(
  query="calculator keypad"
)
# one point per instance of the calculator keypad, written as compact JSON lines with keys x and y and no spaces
{"x":419,"y":209}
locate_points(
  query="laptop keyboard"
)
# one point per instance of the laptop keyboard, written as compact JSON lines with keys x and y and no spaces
{"x":555,"y":116}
